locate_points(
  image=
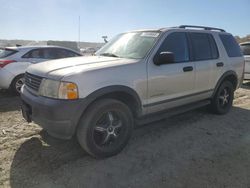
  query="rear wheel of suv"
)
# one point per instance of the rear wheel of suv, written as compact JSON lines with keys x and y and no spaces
{"x":223,"y":98}
{"x":105,"y":128}
{"x":16,"y":84}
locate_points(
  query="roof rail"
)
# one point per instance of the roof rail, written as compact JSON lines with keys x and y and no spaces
{"x":202,"y":27}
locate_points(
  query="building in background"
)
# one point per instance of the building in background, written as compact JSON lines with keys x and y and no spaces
{"x":68,"y":44}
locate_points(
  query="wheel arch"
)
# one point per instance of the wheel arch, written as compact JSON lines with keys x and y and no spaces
{"x":15,"y":77}
{"x":230,"y":76}
{"x":124,"y":94}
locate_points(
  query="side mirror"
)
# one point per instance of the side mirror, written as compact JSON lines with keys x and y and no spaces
{"x":164,"y":58}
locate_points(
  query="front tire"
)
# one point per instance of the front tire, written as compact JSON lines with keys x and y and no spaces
{"x":223,"y":98}
{"x":105,"y":128}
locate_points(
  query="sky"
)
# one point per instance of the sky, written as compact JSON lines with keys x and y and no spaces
{"x":59,"y":19}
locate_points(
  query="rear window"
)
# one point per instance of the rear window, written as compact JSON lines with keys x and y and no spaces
{"x":231,"y":46}
{"x":245,"y":48}
{"x":204,"y":46}
{"x":4,"y":52}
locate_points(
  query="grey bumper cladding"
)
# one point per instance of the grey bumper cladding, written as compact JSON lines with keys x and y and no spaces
{"x":58,"y":117}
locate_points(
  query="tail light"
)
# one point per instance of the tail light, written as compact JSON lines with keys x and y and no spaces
{"x":5,"y":62}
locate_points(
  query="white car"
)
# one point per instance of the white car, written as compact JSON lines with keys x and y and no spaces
{"x":245,"y":47}
{"x":15,"y":60}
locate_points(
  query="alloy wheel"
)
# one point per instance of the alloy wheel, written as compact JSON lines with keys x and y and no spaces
{"x":224,"y":97}
{"x":19,"y":83}
{"x":108,"y":129}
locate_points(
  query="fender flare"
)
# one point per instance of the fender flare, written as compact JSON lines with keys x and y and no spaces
{"x":113,"y":89}
{"x":222,"y":78}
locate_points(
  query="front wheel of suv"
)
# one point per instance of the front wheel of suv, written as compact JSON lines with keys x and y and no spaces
{"x":105,"y":128}
{"x":223,"y":98}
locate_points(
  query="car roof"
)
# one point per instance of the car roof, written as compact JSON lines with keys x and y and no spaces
{"x":192,"y":28}
{"x":37,"y":47}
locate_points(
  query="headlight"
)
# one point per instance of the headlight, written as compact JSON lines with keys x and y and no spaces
{"x":58,"y":89}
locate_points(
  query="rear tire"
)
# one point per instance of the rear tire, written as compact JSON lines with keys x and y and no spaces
{"x":16,"y":84}
{"x":223,"y":98}
{"x":105,"y":128}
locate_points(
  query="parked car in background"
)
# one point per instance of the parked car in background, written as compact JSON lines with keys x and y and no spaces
{"x":245,"y":47}
{"x":15,"y":60}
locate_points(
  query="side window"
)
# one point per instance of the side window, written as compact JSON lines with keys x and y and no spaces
{"x":56,"y":53}
{"x":176,"y":43}
{"x":231,"y":46}
{"x":214,"y":48}
{"x":201,"y":46}
{"x":69,"y":53}
{"x":53,"y":53}
{"x":38,"y":53}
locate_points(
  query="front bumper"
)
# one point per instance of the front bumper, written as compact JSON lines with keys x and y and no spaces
{"x":58,"y":117}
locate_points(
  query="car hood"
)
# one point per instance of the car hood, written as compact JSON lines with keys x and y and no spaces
{"x":57,"y":69}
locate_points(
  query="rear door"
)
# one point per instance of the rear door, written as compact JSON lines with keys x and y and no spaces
{"x":208,"y":64}
{"x":171,"y":85}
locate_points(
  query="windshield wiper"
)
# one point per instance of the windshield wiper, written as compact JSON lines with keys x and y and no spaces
{"x":109,"y":55}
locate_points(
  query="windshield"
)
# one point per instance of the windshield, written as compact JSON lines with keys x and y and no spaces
{"x":133,"y":45}
{"x":6,"y":52}
{"x":245,"y":49}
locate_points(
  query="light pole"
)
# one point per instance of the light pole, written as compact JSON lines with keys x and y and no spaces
{"x":79,"y":30}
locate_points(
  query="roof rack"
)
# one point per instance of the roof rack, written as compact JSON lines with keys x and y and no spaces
{"x":202,"y":27}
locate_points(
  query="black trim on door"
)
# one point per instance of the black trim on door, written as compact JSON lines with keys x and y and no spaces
{"x":178,"y":98}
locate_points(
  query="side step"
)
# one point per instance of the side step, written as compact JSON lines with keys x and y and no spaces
{"x":170,"y":112}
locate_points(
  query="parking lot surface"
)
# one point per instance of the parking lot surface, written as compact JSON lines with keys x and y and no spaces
{"x":194,"y":149}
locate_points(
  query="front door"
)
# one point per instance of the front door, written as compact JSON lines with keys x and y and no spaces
{"x":171,"y":85}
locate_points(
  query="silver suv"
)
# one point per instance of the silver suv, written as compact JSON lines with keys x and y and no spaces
{"x":138,"y":77}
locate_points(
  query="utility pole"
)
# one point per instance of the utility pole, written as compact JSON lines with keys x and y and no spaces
{"x":79,"y":30}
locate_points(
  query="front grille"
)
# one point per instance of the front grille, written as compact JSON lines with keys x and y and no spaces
{"x":32,"y":81}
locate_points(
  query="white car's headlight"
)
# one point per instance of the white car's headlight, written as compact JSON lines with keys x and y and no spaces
{"x":58,"y":89}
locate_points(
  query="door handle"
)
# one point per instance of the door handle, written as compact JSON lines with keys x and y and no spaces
{"x":187,"y":69}
{"x":220,"y":64}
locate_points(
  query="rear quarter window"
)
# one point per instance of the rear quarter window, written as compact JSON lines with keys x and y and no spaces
{"x":231,"y":46}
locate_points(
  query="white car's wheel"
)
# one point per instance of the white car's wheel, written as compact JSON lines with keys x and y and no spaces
{"x":17,"y":84}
